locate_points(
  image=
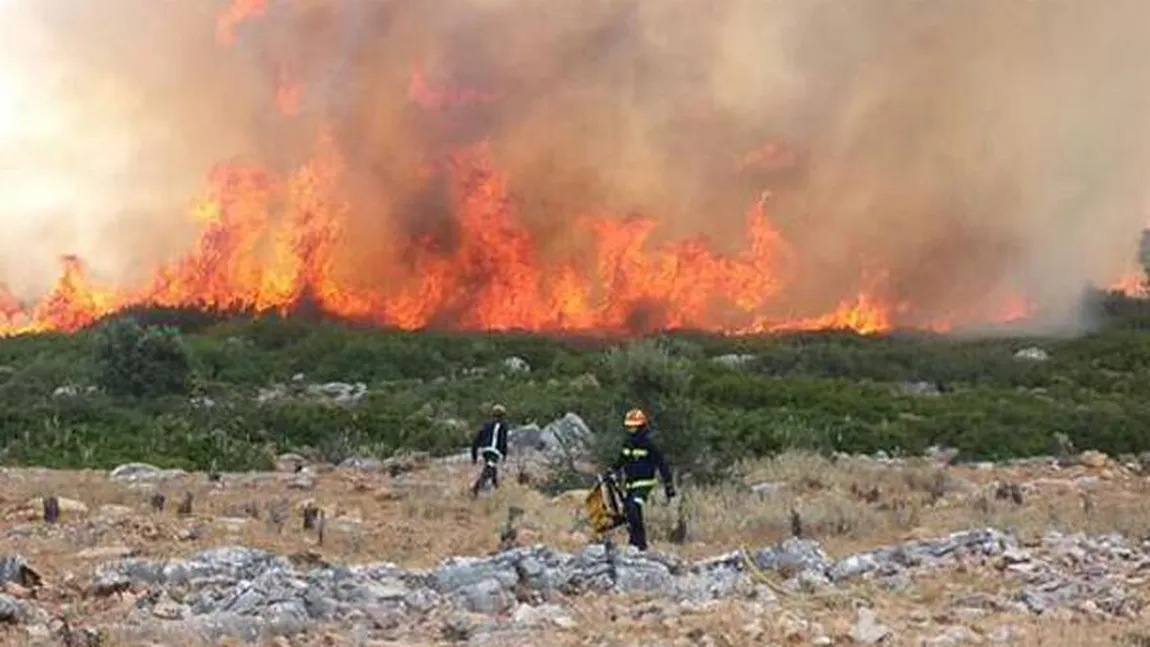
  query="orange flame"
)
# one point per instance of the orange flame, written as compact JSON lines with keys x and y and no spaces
{"x":253,"y":253}
{"x":239,"y":12}
{"x":1133,"y":283}
{"x":272,"y":243}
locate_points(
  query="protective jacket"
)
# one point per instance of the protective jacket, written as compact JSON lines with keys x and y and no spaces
{"x":641,"y":460}
{"x":491,"y":439}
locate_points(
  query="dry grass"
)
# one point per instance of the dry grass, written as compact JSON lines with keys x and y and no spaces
{"x":420,"y":518}
{"x":854,"y":505}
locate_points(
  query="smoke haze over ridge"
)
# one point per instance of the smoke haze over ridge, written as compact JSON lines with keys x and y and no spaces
{"x":949,"y":153}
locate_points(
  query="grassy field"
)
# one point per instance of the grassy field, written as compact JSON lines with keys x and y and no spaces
{"x":192,"y":395}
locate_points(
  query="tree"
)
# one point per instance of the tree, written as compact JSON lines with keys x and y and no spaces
{"x":134,"y":360}
{"x":656,"y":376}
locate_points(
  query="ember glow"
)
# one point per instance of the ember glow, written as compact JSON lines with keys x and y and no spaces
{"x":473,"y":180}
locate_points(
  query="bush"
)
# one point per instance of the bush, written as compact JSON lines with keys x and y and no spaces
{"x":818,"y":391}
{"x":649,"y":376}
{"x":131,"y":360}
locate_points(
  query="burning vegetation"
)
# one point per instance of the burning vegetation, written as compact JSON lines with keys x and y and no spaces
{"x":620,"y":167}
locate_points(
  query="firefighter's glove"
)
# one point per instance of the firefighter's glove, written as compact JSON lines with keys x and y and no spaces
{"x":670,"y":490}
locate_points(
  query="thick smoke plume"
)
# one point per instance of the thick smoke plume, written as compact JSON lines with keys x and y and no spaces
{"x":949,"y":154}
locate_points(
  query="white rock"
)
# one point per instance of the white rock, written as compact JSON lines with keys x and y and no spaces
{"x":168,"y":610}
{"x":141,"y":471}
{"x":1032,"y":354}
{"x":290,"y":462}
{"x":66,"y":391}
{"x":552,"y":614}
{"x":516,"y":365}
{"x":954,"y":636}
{"x":232,"y":524}
{"x":1016,"y":556}
{"x":867,"y":630}
{"x":733,"y":360}
{"x":1092,"y":458}
{"x":302,"y":481}
{"x":769,"y":488}
{"x":793,"y":627}
{"x":1004,"y":635}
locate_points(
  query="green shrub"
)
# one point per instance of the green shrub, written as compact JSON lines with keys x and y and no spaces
{"x":649,"y":376}
{"x":819,"y":391}
{"x":131,"y":360}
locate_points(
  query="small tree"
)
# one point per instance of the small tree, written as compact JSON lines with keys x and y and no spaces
{"x":656,"y":377}
{"x":133,"y":360}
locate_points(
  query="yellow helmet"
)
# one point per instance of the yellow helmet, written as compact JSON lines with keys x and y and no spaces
{"x":498,"y":410}
{"x":634,"y":419}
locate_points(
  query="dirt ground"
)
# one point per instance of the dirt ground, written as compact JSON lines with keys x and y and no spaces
{"x":419,"y":518}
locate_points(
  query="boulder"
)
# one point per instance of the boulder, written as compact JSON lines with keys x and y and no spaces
{"x":13,"y":569}
{"x":363,"y":464}
{"x":1032,"y":354}
{"x":516,"y":365}
{"x":249,"y":594}
{"x":17,"y":612}
{"x":733,"y":360}
{"x":290,"y":462}
{"x":567,"y":437}
{"x":1095,"y":459}
{"x":339,"y":392}
{"x":867,"y":629}
{"x":543,"y":616}
{"x":140,"y":472}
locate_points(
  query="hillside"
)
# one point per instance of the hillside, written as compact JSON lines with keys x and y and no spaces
{"x":240,"y":392}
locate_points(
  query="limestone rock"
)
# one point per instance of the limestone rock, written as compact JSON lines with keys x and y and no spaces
{"x":867,"y":629}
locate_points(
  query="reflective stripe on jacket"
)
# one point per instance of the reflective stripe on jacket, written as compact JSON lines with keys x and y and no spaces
{"x":641,"y":461}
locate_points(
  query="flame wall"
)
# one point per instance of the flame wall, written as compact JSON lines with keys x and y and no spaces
{"x":539,"y":164}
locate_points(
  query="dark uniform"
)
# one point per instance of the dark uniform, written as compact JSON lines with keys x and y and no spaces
{"x":641,"y":460}
{"x":492,"y":442}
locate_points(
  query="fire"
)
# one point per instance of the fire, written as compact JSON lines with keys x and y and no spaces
{"x":1132,"y":283}
{"x":273,"y":241}
{"x":239,"y":12}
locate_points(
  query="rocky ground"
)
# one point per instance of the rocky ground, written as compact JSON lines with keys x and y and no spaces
{"x":802,"y":551}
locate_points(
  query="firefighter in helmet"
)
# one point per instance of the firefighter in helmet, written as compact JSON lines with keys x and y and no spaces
{"x":491,"y":440}
{"x":640,"y":460}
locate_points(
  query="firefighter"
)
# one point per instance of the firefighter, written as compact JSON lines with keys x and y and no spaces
{"x":640,"y":460}
{"x":492,"y":441}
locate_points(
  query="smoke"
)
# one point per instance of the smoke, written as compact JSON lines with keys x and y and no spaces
{"x":949,"y":153}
